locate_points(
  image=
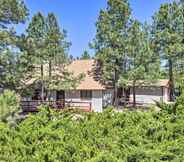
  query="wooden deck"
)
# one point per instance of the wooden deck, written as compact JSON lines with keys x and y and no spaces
{"x":32,"y":106}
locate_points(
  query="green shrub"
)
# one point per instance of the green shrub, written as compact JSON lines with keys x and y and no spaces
{"x":9,"y":105}
{"x":97,"y":137}
{"x":180,"y":104}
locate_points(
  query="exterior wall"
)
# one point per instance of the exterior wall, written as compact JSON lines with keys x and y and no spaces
{"x":166,"y":94}
{"x":147,"y":95}
{"x":96,"y":100}
{"x":108,"y":97}
{"x":73,"y":96}
{"x":97,"y":105}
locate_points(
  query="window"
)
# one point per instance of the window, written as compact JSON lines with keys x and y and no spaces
{"x":86,"y":94}
{"x":60,"y":95}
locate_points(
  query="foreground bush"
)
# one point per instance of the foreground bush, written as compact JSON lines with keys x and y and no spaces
{"x":9,"y":105}
{"x":104,"y":137}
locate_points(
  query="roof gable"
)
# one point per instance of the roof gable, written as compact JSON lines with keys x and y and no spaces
{"x":85,"y":67}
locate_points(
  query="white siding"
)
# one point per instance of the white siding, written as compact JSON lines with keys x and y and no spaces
{"x":166,"y":94}
{"x":148,"y":95}
{"x":145,"y":99}
{"x":96,"y":100}
{"x":72,"y":96}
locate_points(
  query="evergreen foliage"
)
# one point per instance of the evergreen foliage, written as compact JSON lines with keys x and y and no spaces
{"x":110,"y":42}
{"x":85,"y":55}
{"x":95,"y":137}
{"x":124,"y":49}
{"x":9,"y":106}
{"x":46,"y":50}
{"x":168,"y":29}
{"x":142,"y":63}
{"x":58,"y":78}
{"x":12,"y":12}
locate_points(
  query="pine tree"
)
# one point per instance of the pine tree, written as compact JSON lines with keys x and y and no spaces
{"x":46,"y":53}
{"x":12,"y":12}
{"x":85,"y":55}
{"x":110,"y":41}
{"x":168,"y":27}
{"x":56,"y":48}
{"x":180,"y":65}
{"x":37,"y":36}
{"x":143,"y":64}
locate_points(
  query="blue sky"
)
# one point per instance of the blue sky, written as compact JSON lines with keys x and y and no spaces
{"x":78,"y":17}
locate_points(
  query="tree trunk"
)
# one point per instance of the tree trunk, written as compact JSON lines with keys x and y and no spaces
{"x":115,"y":100}
{"x":50,"y":75}
{"x":134,"y":94}
{"x":42,"y":83}
{"x":171,"y":80}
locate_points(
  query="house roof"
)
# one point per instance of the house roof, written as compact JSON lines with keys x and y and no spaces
{"x":163,"y":82}
{"x":77,"y":67}
{"x":158,"y":83}
{"x":90,"y":81}
{"x":85,"y":67}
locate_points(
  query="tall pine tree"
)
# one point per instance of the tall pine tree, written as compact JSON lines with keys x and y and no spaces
{"x":12,"y":12}
{"x":46,"y":53}
{"x":37,"y":36}
{"x":168,"y":28}
{"x":57,"y":51}
{"x":110,"y":41}
{"x":142,"y":63}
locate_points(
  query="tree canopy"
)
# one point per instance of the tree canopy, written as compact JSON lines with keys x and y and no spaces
{"x":12,"y":12}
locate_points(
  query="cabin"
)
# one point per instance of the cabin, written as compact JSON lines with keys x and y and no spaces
{"x":91,"y":95}
{"x":86,"y":96}
{"x":88,"y":90}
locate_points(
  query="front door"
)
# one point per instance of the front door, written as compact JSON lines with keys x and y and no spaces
{"x":127,"y":94}
{"x":60,"y":95}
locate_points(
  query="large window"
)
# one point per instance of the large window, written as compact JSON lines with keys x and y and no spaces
{"x":84,"y":94}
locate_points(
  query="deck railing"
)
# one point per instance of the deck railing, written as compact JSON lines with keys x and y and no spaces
{"x":32,"y":106}
{"x":85,"y":106}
